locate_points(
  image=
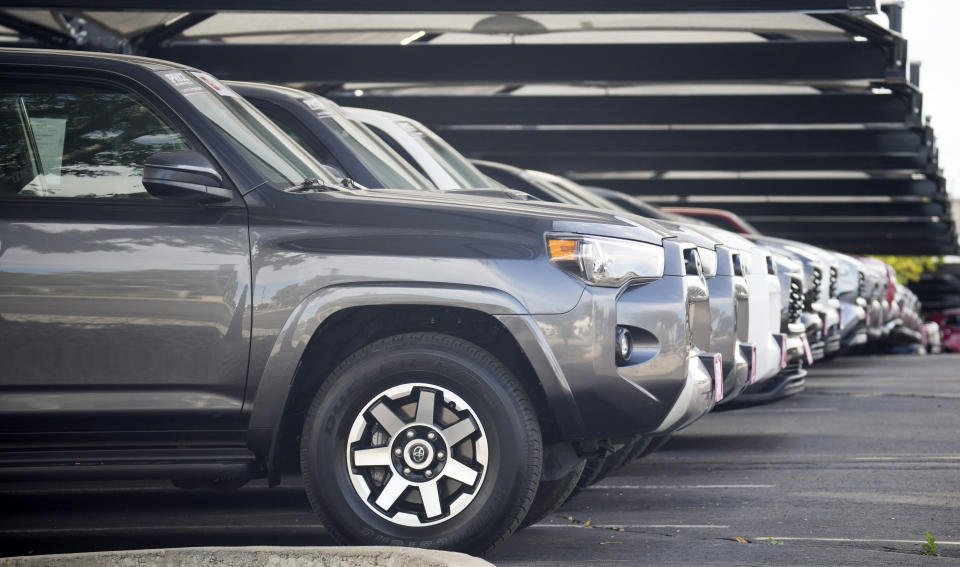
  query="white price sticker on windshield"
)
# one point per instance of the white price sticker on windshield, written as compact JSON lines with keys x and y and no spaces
{"x":212,"y":82}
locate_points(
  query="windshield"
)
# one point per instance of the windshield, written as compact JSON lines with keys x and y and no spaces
{"x":373,"y":152}
{"x":577,"y":192}
{"x":271,"y":151}
{"x":452,"y":161}
{"x":594,"y":199}
{"x":648,"y":210}
{"x":559,"y":193}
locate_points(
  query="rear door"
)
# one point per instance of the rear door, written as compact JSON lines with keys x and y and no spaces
{"x":118,"y":310}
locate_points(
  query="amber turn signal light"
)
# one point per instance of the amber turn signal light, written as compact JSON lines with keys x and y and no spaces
{"x":562,"y":250}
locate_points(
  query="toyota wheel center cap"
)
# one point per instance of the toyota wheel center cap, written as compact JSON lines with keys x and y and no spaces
{"x":418,"y":454}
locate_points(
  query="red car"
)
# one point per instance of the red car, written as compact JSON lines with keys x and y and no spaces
{"x":949,"y":322}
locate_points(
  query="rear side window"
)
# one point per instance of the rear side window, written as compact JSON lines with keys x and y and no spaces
{"x":73,"y":141}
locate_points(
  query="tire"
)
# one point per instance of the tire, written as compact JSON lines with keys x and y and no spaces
{"x":597,"y":468}
{"x":638,"y":449}
{"x":453,"y":448}
{"x":655,"y":443}
{"x":551,"y":494}
{"x":621,"y":457}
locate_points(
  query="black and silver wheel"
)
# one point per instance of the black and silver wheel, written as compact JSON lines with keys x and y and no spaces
{"x":422,"y":471}
{"x":422,"y":440}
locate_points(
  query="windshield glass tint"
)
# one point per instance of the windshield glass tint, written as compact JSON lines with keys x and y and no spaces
{"x":386,"y":165}
{"x":452,"y":161}
{"x":592,"y":199}
{"x":271,"y":151}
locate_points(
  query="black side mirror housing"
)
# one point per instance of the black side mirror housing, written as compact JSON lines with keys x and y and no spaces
{"x":184,"y":175}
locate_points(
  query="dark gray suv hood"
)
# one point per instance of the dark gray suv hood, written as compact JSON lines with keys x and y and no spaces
{"x":566,"y":218}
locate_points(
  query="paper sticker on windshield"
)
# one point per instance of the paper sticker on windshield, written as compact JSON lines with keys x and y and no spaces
{"x":318,"y":110}
{"x":182,"y":82}
{"x":212,"y":82}
{"x":312,"y":103}
{"x":410,"y":129}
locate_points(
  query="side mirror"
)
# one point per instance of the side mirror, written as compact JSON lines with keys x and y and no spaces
{"x":184,"y":175}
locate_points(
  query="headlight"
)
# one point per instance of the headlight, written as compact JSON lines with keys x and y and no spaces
{"x":608,"y":262}
{"x":708,"y":259}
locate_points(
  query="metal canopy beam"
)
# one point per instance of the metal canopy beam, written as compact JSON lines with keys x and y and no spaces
{"x":839,"y":229}
{"x":565,"y":163}
{"x":678,"y":109}
{"x":455,"y":6}
{"x":894,"y":246}
{"x":796,"y":61}
{"x":827,"y":210}
{"x":159,"y":34}
{"x":716,"y":142}
{"x":47,"y":37}
{"x":814,"y":187}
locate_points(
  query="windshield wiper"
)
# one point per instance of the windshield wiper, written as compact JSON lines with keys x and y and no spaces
{"x":311,"y":185}
{"x":348,"y":183}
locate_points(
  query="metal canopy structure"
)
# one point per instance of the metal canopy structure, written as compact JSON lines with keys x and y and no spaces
{"x":801,"y":115}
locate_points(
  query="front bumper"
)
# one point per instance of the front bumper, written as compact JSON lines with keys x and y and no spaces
{"x":769,"y":357}
{"x":853,"y":329}
{"x":813,"y":323}
{"x":741,"y":372}
{"x":791,"y":380}
{"x":795,"y":349}
{"x":663,"y":387}
{"x":873,"y":320}
{"x":695,"y":400}
{"x":729,"y":325}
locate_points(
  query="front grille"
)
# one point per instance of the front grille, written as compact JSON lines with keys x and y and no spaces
{"x":795,"y":308}
{"x":813,"y":294}
{"x":861,"y":284}
{"x":833,"y":282}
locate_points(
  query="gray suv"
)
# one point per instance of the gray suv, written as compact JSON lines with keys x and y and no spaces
{"x":186,"y":293}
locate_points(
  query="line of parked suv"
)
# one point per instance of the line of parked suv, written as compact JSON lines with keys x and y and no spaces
{"x":214,"y":282}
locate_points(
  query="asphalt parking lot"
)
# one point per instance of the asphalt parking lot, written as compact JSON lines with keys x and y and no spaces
{"x":852,"y":471}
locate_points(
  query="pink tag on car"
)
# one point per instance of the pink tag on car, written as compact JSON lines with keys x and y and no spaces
{"x":783,"y":351}
{"x":841,"y":317}
{"x":806,"y":349}
{"x":717,"y":377}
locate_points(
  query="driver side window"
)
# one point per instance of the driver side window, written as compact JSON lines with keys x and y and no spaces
{"x":71,"y":141}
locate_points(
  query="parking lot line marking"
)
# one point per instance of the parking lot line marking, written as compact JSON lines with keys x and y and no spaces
{"x":635,"y":526}
{"x":910,"y":458}
{"x":852,"y":540}
{"x":674,"y":486}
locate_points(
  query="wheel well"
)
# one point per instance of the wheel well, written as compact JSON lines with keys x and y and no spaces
{"x":351,"y":329}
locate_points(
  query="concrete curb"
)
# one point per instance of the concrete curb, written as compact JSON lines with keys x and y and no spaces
{"x":374,"y":556}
